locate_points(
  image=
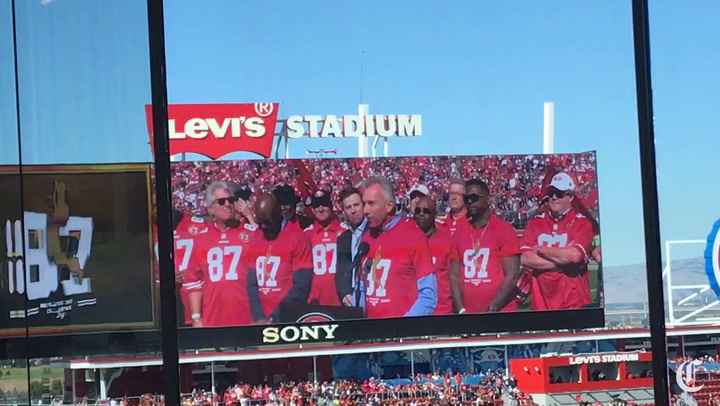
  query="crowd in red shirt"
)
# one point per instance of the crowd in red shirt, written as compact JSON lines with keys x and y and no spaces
{"x":514,"y":180}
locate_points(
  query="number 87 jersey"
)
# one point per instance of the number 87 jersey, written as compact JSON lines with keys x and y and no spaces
{"x":324,"y":255}
{"x":481,"y":253}
{"x":217,"y":272}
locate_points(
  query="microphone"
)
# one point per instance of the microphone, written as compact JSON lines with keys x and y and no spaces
{"x":363,"y":250}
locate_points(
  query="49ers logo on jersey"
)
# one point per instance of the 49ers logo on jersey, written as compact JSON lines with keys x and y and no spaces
{"x":215,"y":130}
{"x":315,"y":317}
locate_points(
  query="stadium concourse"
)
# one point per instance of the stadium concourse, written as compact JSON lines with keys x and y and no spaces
{"x":473,"y":357}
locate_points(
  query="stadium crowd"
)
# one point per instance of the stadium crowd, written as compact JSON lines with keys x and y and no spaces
{"x":433,"y":389}
{"x":514,"y":180}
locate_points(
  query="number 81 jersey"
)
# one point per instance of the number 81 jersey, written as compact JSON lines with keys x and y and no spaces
{"x":481,"y":253}
{"x":217,"y":270}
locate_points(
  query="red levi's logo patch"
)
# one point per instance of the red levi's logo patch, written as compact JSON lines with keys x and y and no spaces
{"x":215,"y":130}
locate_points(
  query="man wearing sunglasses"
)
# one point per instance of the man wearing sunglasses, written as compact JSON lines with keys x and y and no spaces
{"x":323,"y":237}
{"x":288,"y":201}
{"x":215,"y":277}
{"x":416,"y":192}
{"x":442,"y":248}
{"x":398,"y":269}
{"x":279,"y":263}
{"x":490,"y":256}
{"x":555,"y":247}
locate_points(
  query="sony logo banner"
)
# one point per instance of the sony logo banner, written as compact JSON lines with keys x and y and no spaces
{"x":292,"y":334}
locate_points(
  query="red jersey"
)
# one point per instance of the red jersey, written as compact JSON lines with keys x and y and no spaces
{"x":452,"y":224}
{"x":443,"y":250}
{"x":186,"y":233}
{"x":216,"y":269}
{"x":275,"y":263}
{"x":324,"y":257}
{"x":560,"y":289}
{"x":482,"y":250}
{"x":397,"y":259}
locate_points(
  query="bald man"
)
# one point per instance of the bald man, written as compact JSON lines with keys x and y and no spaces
{"x":279,"y":263}
{"x":442,"y":248}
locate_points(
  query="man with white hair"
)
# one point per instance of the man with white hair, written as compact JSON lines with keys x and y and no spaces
{"x":399,"y":273}
{"x":456,"y":217}
{"x":216,"y":278}
{"x":555,"y":247}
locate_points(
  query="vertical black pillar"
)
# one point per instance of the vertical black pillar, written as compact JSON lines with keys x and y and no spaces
{"x":161,"y":143}
{"x":651,"y":217}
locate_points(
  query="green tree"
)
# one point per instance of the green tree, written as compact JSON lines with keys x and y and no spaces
{"x":56,"y":388}
{"x":37,"y":389}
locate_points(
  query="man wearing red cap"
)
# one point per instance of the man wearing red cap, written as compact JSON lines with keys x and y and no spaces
{"x":323,"y":236}
{"x":555,"y":247}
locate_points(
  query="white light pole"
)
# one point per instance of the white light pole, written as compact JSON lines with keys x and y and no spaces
{"x":549,"y":128}
{"x":363,"y":139}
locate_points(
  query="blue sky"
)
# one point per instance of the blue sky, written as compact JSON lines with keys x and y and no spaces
{"x":478,"y":72}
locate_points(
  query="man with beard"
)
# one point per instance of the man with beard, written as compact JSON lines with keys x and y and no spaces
{"x":555,"y":247}
{"x":348,"y":245}
{"x":215,"y":278}
{"x":400,"y":277}
{"x":443,"y":250}
{"x":288,"y":201}
{"x":279,"y":263}
{"x":416,"y":193}
{"x":490,"y":256}
{"x":323,"y":237}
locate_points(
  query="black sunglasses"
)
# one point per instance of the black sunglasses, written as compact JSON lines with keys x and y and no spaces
{"x":558,"y":194}
{"x":221,"y":201}
{"x":315,"y":205}
{"x":472,"y":198}
{"x":422,"y":210}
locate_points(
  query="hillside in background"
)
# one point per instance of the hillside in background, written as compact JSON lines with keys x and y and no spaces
{"x":627,"y":283}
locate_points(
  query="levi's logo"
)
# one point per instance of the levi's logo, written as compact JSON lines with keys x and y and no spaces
{"x":215,"y":130}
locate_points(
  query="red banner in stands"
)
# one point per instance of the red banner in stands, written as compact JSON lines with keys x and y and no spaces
{"x":215,"y":130}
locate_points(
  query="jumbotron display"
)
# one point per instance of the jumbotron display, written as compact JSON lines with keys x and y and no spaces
{"x":77,"y":243}
{"x":281,"y":243}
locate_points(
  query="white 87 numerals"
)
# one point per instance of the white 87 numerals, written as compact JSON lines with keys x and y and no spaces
{"x":216,"y":263}
{"x":556,"y":240}
{"x":267,"y":272}
{"x":322,"y":255}
{"x":381,"y":273}
{"x":475,"y":265}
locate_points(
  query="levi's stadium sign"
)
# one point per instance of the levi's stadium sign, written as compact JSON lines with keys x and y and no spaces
{"x":215,"y":130}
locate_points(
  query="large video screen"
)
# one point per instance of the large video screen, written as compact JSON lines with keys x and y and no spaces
{"x":76,"y":249}
{"x":283,"y":244}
